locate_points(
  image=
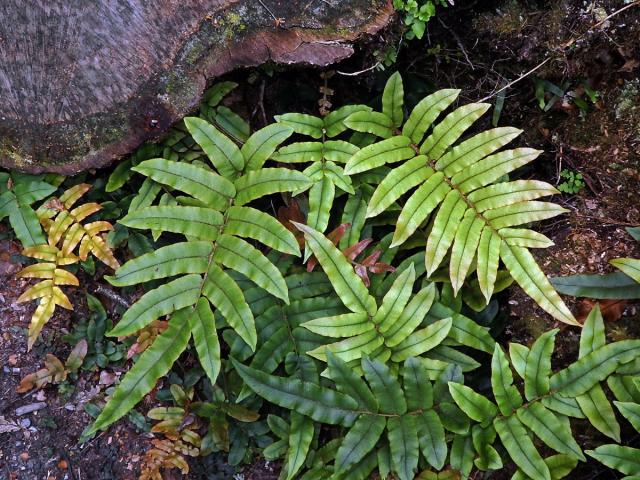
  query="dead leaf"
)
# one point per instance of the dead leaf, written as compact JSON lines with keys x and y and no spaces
{"x":289,"y":214}
{"x":611,"y":310}
{"x":106,"y":378}
{"x":335,"y":236}
{"x":630,"y":65}
{"x":7,"y":426}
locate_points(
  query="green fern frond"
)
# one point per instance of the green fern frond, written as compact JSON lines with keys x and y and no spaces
{"x":458,"y":190}
{"x":551,"y":397}
{"x":397,"y":328}
{"x":325,"y":156}
{"x":205,"y":266}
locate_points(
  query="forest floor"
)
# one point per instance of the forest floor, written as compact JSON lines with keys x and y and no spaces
{"x":478,"y":47}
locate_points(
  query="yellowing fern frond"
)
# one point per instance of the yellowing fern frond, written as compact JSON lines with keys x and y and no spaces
{"x":48,"y":290}
{"x":65,"y":232}
{"x":64,"y":226}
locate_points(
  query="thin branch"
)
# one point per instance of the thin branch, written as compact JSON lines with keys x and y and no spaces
{"x":458,"y":41}
{"x":601,"y":22}
{"x":521,"y":77}
{"x":275,"y":19}
{"x":111,"y":295}
{"x":563,"y":47}
{"x":353,"y":74}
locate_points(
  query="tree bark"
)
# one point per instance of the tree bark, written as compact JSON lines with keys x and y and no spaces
{"x":84,"y":83}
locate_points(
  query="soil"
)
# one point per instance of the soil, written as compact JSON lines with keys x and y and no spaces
{"x":46,"y":444}
{"x":476,"y":46}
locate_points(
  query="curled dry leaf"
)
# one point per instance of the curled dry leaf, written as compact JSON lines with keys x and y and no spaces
{"x":611,"y":310}
{"x":8,"y":426}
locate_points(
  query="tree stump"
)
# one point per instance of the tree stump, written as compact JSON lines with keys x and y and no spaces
{"x":85,"y":83}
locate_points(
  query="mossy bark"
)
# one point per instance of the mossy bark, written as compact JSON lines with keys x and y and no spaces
{"x":85,"y":83}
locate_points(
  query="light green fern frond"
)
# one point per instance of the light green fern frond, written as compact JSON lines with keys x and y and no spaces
{"x":456,"y":189}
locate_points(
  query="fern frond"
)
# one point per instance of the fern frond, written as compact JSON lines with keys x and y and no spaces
{"x":575,"y":387}
{"x":390,"y":330}
{"x":208,"y":266}
{"x":456,"y":189}
{"x":322,"y":155}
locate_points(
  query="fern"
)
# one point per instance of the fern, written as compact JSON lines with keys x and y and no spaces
{"x":17,"y":193}
{"x":65,"y":233}
{"x":550,"y":398}
{"x":47,"y":291}
{"x":325,"y":156}
{"x":377,"y":411}
{"x":179,"y":144}
{"x":391,"y":421}
{"x":214,"y":218}
{"x":472,"y":213}
{"x":222,"y":117}
{"x":388,"y":331}
{"x":181,"y":437}
{"x":64,"y":226}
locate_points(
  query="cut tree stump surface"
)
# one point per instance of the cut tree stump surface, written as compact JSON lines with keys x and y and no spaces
{"x":85,"y":83}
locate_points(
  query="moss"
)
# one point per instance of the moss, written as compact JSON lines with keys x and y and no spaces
{"x":627,"y":105}
{"x":234,"y":24}
{"x":18,"y":158}
{"x":509,"y":19}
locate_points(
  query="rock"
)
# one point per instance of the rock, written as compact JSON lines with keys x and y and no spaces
{"x":85,"y":83}
{"x":32,"y":407}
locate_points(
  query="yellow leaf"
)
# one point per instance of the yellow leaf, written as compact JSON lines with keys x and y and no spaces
{"x":41,"y":316}
{"x":94,"y":228}
{"x":40,"y":289}
{"x":83,"y":211}
{"x":103,"y":253}
{"x":38,"y":270}
{"x":59,"y":227}
{"x":72,"y":195}
{"x":72,"y":238}
{"x":59,"y":298}
{"x":85,"y":248}
{"x":48,"y":253}
{"x":67,"y":259}
{"x":62,"y":277}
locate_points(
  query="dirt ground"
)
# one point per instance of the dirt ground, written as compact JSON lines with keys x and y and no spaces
{"x":479,"y":47}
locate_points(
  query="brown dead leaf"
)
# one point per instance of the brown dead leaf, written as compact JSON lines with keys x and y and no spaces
{"x":292,"y":213}
{"x":630,"y":65}
{"x":7,"y":426}
{"x":611,"y":310}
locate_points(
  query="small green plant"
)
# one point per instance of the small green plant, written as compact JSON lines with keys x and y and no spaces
{"x":385,"y":57}
{"x":573,"y":182}
{"x":100,"y":351}
{"x":417,"y":14}
{"x":578,"y":93}
{"x":17,"y":193}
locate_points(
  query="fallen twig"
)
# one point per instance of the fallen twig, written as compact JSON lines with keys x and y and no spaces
{"x":111,"y":295}
{"x":32,"y":407}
